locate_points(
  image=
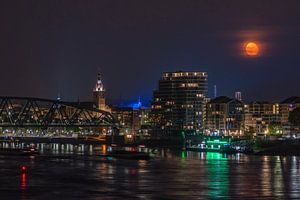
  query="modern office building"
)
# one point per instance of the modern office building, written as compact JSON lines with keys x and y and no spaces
{"x":225,"y":116}
{"x":178,"y":104}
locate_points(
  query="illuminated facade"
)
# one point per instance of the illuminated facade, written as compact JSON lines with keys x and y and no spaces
{"x":133,"y":122}
{"x":179,"y":103}
{"x":287,"y":106}
{"x":259,"y":115}
{"x":225,"y":116}
{"x":99,"y":95}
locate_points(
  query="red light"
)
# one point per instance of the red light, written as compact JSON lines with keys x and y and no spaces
{"x":23,"y":168}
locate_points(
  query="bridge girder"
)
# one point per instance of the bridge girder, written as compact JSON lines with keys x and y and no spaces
{"x":18,"y":112}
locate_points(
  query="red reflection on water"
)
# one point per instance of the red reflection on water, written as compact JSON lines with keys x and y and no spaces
{"x":23,"y":181}
{"x":133,"y":171}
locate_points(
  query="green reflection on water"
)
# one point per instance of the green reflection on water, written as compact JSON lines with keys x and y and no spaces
{"x":215,"y":156}
{"x":182,"y":155}
{"x":217,"y":169}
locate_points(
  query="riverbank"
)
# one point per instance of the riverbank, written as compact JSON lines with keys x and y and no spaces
{"x":284,"y":148}
{"x":257,"y":146}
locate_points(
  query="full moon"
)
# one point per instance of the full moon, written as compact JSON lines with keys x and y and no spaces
{"x":251,"y":49}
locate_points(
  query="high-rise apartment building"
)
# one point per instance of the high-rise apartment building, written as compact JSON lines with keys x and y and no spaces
{"x":178,"y":103}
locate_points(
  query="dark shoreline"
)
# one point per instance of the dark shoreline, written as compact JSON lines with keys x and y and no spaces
{"x":265,"y":148}
{"x":293,"y":150}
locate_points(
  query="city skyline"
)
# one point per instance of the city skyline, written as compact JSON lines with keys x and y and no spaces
{"x":60,"y":47}
{"x":136,"y":99}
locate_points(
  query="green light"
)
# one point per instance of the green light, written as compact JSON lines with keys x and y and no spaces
{"x":217,"y":170}
{"x":182,"y":155}
{"x":217,"y":142}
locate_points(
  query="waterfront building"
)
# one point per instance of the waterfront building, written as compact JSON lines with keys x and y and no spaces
{"x":99,"y":95}
{"x":206,"y":100}
{"x":127,"y":118}
{"x":179,"y":103}
{"x":225,"y":116}
{"x":287,"y":106}
{"x":259,"y":115}
{"x":133,"y":121}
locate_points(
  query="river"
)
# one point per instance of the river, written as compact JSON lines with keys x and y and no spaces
{"x":170,"y":175}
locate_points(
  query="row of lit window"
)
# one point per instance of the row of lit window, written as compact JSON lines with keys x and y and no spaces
{"x":156,"y":107}
{"x":170,"y":103}
{"x":183,"y":74}
{"x":189,"y":85}
{"x":187,"y":106}
{"x":188,"y":127}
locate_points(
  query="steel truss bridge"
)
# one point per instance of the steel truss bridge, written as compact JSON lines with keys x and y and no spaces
{"x":43,"y":114}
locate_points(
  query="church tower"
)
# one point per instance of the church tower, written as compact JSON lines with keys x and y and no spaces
{"x":99,"y":95}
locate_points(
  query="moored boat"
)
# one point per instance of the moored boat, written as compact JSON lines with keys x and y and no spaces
{"x":134,"y":155}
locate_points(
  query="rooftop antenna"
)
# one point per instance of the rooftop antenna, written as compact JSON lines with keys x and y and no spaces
{"x":58,"y":98}
{"x":215,"y":91}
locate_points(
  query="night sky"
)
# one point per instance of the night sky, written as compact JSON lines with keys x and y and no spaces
{"x":51,"y":47}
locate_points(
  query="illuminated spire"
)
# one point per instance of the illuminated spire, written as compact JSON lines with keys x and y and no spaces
{"x":99,"y":85}
{"x":140,"y":103}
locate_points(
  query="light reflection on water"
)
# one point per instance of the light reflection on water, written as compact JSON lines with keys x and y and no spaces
{"x":171,"y":175}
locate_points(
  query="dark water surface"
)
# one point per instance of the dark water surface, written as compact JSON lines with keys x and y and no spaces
{"x":171,"y":175}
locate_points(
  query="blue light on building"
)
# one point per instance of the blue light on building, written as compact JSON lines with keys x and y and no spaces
{"x":136,"y":105}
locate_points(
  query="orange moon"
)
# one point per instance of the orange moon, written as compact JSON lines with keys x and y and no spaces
{"x":252,"y":49}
